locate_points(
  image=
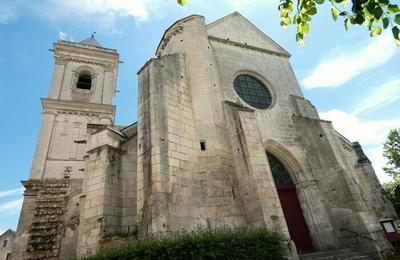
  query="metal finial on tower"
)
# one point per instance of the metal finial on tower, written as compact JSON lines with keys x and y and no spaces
{"x":91,"y":41}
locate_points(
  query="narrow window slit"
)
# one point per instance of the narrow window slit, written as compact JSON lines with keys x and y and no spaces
{"x":233,"y":193}
{"x":203,"y":145}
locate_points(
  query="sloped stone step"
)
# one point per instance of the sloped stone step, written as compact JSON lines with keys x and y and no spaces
{"x":341,"y":254}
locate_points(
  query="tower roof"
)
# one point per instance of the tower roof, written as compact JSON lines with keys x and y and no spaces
{"x":91,"y":41}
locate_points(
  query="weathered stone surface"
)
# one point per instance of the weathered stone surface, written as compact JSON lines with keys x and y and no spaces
{"x":196,"y":156}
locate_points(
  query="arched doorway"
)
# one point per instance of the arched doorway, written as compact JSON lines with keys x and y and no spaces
{"x":292,"y":211}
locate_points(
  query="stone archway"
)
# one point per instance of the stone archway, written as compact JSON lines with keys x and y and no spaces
{"x":308,"y":195}
{"x":291,"y":208}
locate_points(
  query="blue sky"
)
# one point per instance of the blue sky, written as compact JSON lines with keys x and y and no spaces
{"x":351,"y":78}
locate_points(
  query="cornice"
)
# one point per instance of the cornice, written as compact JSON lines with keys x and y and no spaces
{"x":167,"y":37}
{"x":249,"y":47}
{"x":172,"y":27}
{"x":63,"y":59}
{"x":238,"y":106}
{"x":74,"y":107}
{"x":86,"y":47}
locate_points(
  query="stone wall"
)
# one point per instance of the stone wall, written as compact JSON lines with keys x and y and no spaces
{"x":197,"y":155}
{"x":53,"y":222}
{"x":108,"y":199}
{"x":73,"y":58}
{"x":129,"y":179}
{"x":256,"y":186}
{"x":329,"y":191}
{"x":181,"y":185}
{"x":371,"y":188}
{"x":6,"y":250}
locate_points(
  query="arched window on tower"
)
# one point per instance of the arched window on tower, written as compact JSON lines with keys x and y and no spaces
{"x":84,"y":81}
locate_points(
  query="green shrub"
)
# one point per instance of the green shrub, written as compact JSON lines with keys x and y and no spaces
{"x":222,"y":243}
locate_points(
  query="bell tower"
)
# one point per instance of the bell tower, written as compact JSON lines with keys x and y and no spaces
{"x":80,"y":95}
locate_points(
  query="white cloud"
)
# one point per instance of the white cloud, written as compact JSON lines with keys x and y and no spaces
{"x":64,"y":36}
{"x":7,"y":13}
{"x":378,"y":162}
{"x":11,"y":206}
{"x":103,"y":13}
{"x":370,"y":133}
{"x":11,"y":192}
{"x":240,"y":4}
{"x":136,"y":8}
{"x":335,"y":71}
{"x":381,"y":96}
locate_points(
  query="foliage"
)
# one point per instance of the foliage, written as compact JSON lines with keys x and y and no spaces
{"x":392,"y":192}
{"x":391,"y":150}
{"x":374,"y":14}
{"x":222,"y":243}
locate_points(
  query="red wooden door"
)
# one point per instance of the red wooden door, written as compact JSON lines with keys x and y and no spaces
{"x":294,"y":217}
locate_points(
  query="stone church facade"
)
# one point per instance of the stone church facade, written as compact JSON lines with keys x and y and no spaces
{"x":224,"y":136}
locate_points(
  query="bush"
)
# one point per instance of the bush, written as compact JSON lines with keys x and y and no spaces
{"x":223,"y":243}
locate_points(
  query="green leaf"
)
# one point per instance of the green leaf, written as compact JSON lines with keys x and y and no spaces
{"x":397,"y":18}
{"x":385,"y":22}
{"x":297,"y":18}
{"x":376,"y":31}
{"x":335,"y":13}
{"x":182,"y":2}
{"x":370,"y":7}
{"x":305,"y":28}
{"x":299,"y":38}
{"x":359,"y":19}
{"x":377,"y":13}
{"x":312,"y":11}
{"x":396,"y":33}
{"x":320,"y":2}
{"x":368,"y":24}
{"x":285,"y":21}
{"x":347,"y":23}
{"x":393,"y":9}
{"x":383,"y":2}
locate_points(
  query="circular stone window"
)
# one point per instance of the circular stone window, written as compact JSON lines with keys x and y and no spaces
{"x":252,"y":91}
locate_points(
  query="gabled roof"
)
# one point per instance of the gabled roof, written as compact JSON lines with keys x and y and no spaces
{"x":91,"y":41}
{"x":9,"y":231}
{"x":236,"y":28}
{"x":130,"y":130}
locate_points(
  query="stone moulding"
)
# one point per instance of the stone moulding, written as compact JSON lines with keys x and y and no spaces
{"x":246,"y":46}
{"x":239,"y":106}
{"x":165,"y":38}
{"x":64,"y":59}
{"x":77,"y":107}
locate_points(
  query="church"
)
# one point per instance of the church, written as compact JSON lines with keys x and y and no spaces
{"x":224,"y":137}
